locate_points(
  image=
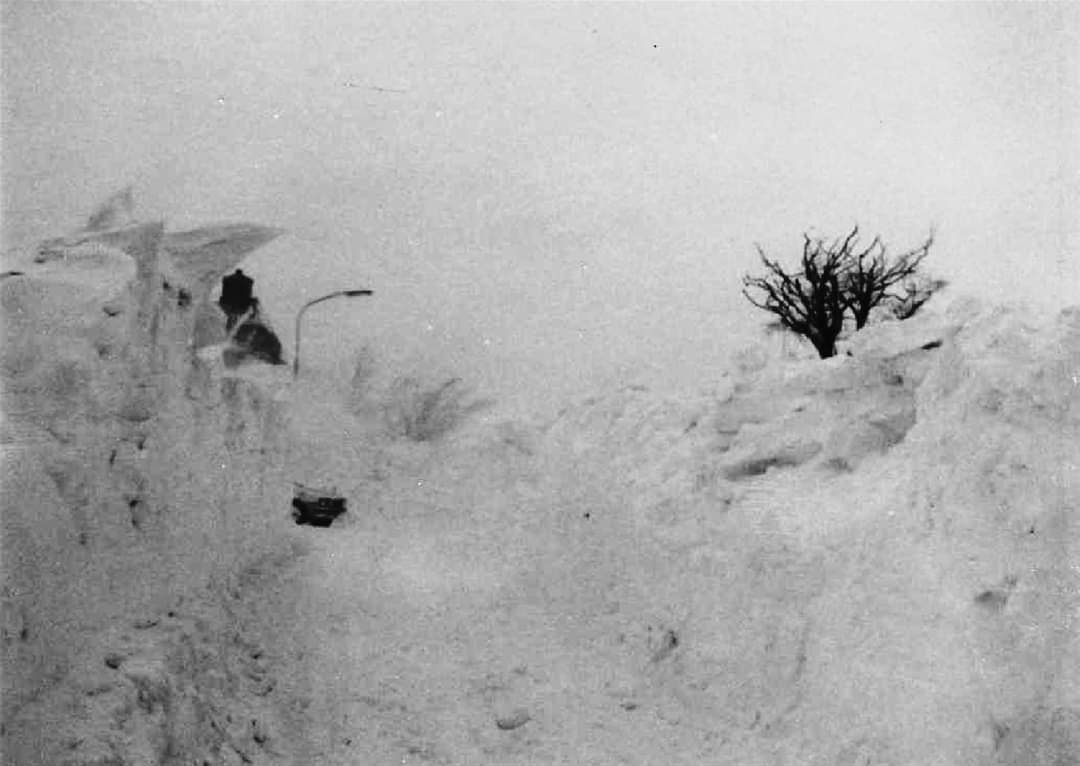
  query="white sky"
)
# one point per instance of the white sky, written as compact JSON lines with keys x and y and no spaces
{"x":550,"y":195}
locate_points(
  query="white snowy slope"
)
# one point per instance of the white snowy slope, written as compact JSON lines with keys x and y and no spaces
{"x":135,"y":480}
{"x":865,"y":560}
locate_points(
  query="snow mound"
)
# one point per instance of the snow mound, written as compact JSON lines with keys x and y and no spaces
{"x":867,"y":559}
{"x":872,"y":557}
{"x":136,"y":478}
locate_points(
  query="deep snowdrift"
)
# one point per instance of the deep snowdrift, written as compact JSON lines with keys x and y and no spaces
{"x":137,"y":484}
{"x":875,"y":556}
{"x":866,"y":560}
{"x":859,"y":561}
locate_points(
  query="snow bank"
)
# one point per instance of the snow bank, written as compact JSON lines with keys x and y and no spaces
{"x":864,"y":560}
{"x":870,"y":559}
{"x":137,"y":479}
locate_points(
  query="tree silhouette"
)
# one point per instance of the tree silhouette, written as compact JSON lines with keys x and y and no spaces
{"x":811,"y":302}
{"x":916,"y":293}
{"x":869,"y":275}
{"x":839,"y":277}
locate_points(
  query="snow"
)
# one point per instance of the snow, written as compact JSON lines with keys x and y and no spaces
{"x":867,"y":560}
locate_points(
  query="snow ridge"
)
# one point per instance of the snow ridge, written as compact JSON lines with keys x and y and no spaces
{"x":137,"y":479}
{"x":868,"y":559}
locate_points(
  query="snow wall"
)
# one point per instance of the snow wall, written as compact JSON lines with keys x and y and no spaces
{"x":868,"y":560}
{"x":872,"y":559}
{"x":136,"y":476}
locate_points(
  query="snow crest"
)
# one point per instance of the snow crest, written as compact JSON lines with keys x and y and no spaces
{"x":874,"y":557}
{"x":136,"y":486}
{"x":868,"y":559}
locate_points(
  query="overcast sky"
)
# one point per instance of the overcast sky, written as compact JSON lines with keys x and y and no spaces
{"x":550,"y":195}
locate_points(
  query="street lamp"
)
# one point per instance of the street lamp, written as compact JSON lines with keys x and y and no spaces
{"x":309,"y":304}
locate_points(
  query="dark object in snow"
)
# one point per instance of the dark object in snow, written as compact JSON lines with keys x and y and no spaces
{"x":316,"y":507}
{"x":995,"y":599}
{"x":253,"y":340}
{"x":837,"y":278}
{"x":513,"y":720}
{"x":236,"y":296}
{"x":992,"y":599}
{"x":931,"y":345}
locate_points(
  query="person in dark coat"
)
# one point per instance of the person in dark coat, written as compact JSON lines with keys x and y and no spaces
{"x":253,"y":340}
{"x":236,"y":297}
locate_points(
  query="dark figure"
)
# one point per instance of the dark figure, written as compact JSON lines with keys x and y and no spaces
{"x":236,"y":297}
{"x":253,"y":340}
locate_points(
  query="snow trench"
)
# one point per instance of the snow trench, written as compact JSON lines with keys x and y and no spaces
{"x":865,"y":560}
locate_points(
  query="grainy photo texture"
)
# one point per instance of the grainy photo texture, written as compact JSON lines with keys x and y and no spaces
{"x":495,"y":384}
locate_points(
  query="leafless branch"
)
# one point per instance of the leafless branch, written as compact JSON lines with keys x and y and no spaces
{"x":834,"y":278}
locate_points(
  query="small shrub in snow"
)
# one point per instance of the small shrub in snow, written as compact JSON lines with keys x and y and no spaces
{"x":917,"y":292}
{"x":836,"y":278}
{"x":425,"y":414}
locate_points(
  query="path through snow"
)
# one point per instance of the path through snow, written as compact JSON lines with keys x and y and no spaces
{"x":870,"y":562}
{"x":468,"y":617}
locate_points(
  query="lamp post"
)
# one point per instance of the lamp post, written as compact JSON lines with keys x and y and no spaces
{"x":309,"y":304}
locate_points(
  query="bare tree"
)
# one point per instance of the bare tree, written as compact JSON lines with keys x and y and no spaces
{"x":870,"y":275}
{"x":811,"y":302}
{"x":916,"y":293}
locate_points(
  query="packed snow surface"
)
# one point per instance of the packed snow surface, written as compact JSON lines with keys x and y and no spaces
{"x":872,"y":559}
